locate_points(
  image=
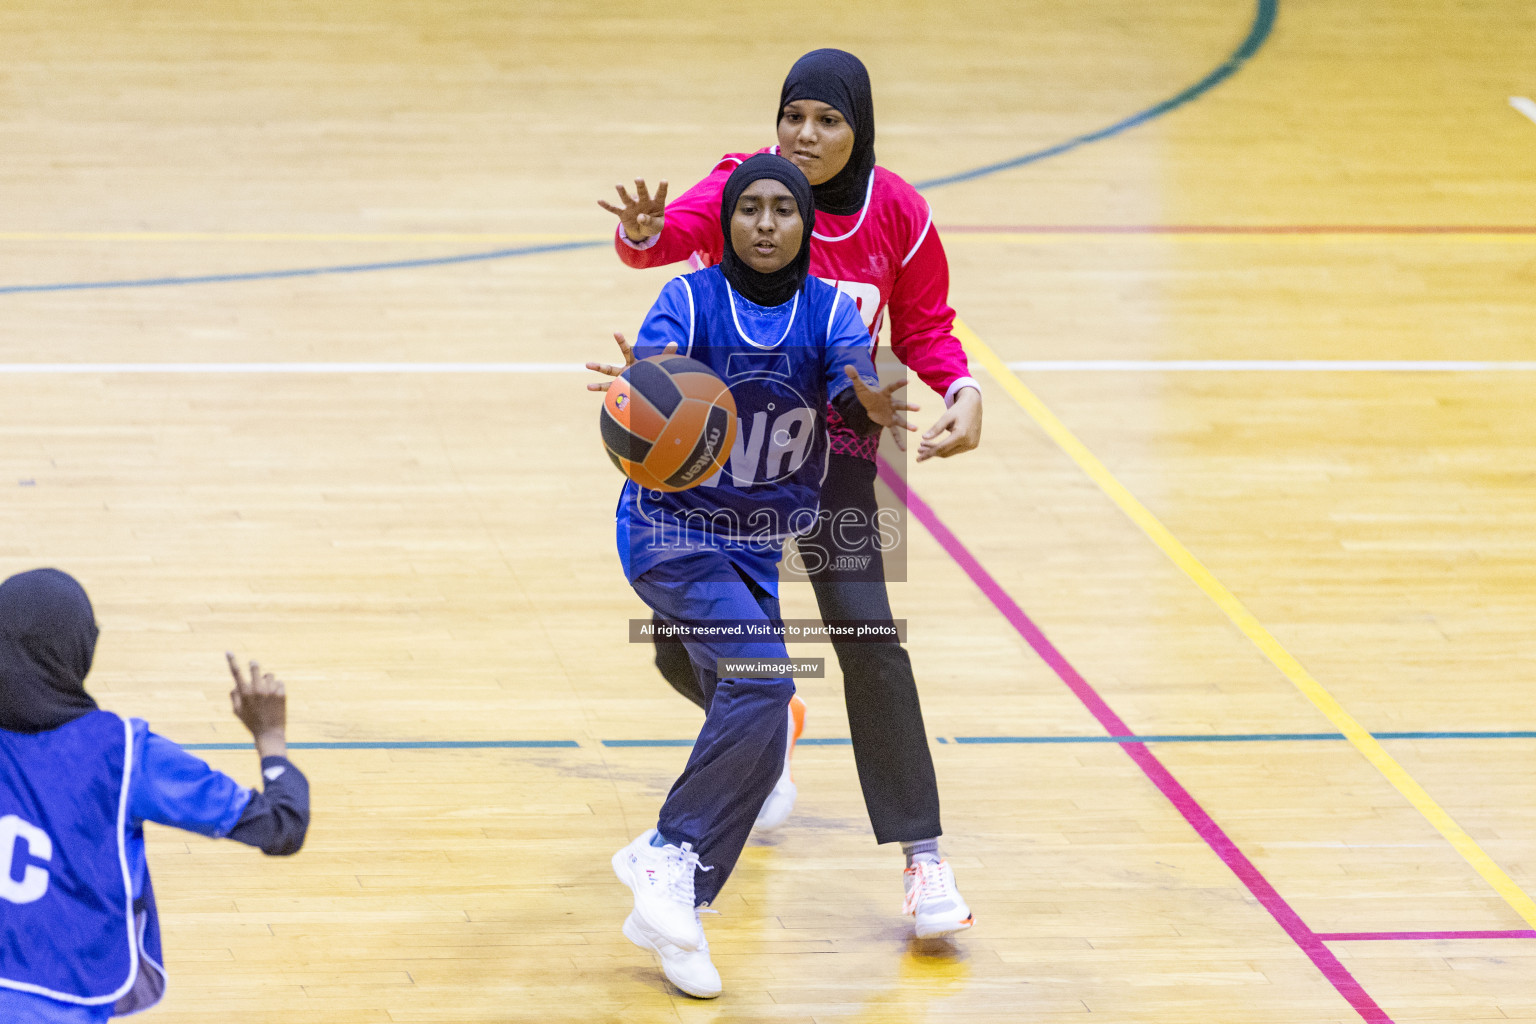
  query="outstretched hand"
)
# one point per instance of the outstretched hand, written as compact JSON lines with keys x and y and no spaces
{"x":261,"y":704}
{"x":642,"y":216}
{"x":613,"y":370}
{"x":883,"y":407}
{"x":961,"y":421}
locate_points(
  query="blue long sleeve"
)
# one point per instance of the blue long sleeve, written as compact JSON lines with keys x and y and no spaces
{"x":175,"y":788}
{"x":671,"y":318}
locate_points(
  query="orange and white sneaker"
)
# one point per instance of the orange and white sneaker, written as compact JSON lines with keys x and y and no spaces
{"x":933,"y":900}
{"x":776,"y":809}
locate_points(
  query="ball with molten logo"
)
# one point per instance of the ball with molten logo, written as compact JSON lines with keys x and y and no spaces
{"x":668,"y":422}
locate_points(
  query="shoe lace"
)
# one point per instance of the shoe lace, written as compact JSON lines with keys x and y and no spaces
{"x":930,"y":882}
{"x":682,"y":862}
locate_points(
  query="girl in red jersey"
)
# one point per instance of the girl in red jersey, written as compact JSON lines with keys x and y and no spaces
{"x":875,"y":241}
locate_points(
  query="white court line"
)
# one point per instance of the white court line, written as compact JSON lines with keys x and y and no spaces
{"x":1028,"y":366}
{"x":1525,"y":105}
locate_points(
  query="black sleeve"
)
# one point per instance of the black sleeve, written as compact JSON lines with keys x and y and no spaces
{"x":276,"y":819}
{"x":852,"y":411}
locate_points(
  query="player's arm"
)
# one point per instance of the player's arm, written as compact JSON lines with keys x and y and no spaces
{"x":853,"y":388}
{"x":667,"y":328}
{"x":173,"y":787}
{"x":652,"y":233}
{"x":923,"y":338}
{"x":276,"y":819}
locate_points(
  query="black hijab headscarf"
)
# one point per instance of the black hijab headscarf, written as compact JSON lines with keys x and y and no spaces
{"x":779,"y":287}
{"x":47,"y":640}
{"x":838,"y":79}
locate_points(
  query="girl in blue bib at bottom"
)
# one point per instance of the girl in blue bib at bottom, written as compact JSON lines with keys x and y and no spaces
{"x":79,"y":934}
{"x":787,"y":345}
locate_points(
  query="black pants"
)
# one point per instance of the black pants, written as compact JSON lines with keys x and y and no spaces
{"x":885,"y":718}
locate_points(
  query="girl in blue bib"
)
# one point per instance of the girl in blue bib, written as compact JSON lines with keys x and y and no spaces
{"x":705,"y":560}
{"x":79,"y":935}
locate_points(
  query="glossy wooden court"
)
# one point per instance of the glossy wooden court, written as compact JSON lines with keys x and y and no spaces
{"x":1224,"y":634}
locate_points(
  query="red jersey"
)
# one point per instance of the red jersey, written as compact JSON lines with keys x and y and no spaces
{"x":886,"y":257}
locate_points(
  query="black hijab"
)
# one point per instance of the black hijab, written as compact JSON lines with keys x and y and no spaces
{"x":47,"y":640}
{"x":838,"y":79}
{"x":779,"y":287}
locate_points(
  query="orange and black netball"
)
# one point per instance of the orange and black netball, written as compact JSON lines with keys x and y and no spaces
{"x":668,"y":422}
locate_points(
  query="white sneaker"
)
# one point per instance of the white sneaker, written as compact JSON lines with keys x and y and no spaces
{"x":693,"y":972}
{"x":776,"y":809}
{"x":661,"y":877}
{"x":933,"y":899}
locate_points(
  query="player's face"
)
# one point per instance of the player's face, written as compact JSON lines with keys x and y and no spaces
{"x":816,"y":138}
{"x":766,"y":227}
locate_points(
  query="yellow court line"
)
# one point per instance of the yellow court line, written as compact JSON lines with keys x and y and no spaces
{"x":1250,"y":626}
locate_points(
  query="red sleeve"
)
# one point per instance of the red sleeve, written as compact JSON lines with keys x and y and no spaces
{"x":922,"y":322}
{"x":692,"y":225}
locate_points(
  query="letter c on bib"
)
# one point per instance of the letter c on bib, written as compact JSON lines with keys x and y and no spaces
{"x":34,"y":881}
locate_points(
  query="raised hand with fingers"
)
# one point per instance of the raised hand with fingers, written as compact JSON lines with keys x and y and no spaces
{"x":261,"y":704}
{"x":643,"y":215}
{"x":613,"y":370}
{"x":883,"y":407}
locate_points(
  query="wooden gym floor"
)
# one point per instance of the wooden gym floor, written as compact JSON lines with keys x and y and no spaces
{"x":1314,"y":583}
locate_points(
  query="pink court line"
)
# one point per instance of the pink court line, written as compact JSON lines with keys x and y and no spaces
{"x":1241,"y":229}
{"x":1393,"y":936}
{"x":1204,"y":825}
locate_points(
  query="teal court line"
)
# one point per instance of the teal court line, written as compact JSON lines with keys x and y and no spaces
{"x":1259,"y":30}
{"x":403,"y":745}
{"x":843,"y":741}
